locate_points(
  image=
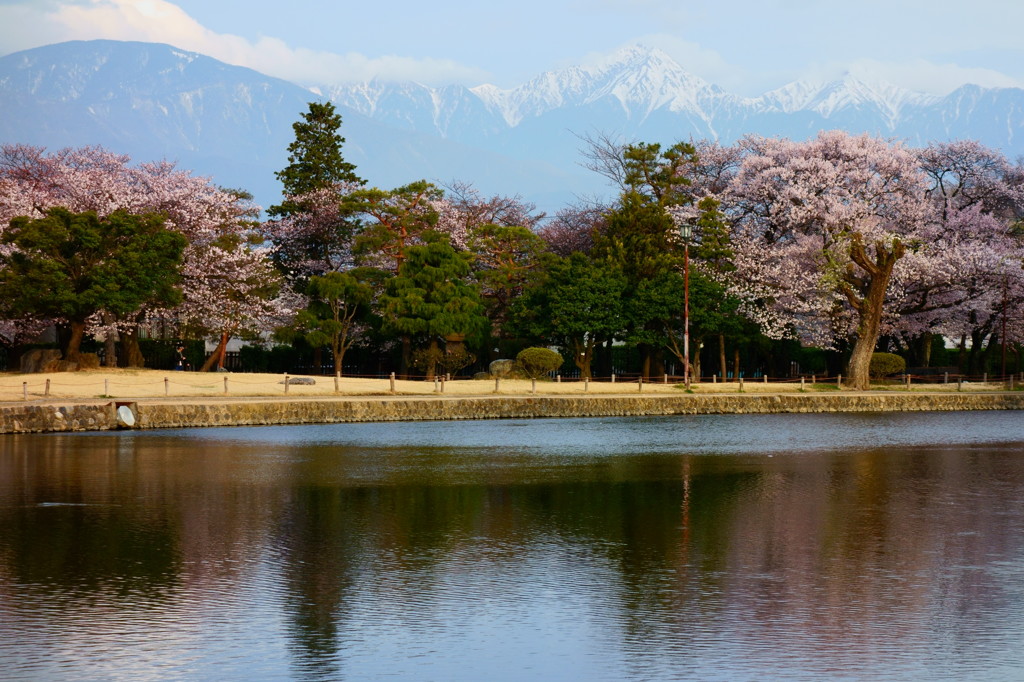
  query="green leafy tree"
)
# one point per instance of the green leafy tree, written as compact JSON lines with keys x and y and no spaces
{"x":431,"y":298}
{"x":338,"y":302}
{"x":74,"y":265}
{"x":314,"y":158}
{"x":504,"y":258}
{"x":574,"y":303}
{"x":712,"y":257}
{"x":640,"y":239}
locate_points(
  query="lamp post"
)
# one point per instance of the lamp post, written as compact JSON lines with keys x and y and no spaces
{"x":686,"y":231}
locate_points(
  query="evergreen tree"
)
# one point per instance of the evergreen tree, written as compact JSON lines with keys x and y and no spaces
{"x":431,"y":298}
{"x":314,"y":158}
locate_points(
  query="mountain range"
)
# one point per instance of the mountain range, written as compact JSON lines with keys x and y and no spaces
{"x":155,"y":101}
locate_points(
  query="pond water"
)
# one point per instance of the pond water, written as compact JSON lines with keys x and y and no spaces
{"x":798,"y":547}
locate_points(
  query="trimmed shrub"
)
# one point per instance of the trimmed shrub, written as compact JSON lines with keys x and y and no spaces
{"x":536,"y":362}
{"x":885,"y":364}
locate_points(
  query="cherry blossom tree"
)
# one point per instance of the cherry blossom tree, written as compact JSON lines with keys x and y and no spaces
{"x":93,"y":179}
{"x":318,"y":239}
{"x":824,"y":224}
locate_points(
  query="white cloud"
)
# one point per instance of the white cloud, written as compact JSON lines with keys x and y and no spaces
{"x":30,"y":24}
{"x":938,"y":79}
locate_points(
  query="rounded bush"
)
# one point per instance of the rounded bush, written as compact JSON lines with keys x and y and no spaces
{"x":885,"y":364}
{"x":536,"y":362}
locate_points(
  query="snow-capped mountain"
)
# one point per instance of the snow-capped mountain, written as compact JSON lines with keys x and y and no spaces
{"x":155,"y":101}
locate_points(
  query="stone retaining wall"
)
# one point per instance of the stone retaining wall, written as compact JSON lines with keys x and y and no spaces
{"x":155,"y":415}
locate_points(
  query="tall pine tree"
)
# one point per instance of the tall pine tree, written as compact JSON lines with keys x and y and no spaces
{"x":314,"y":158}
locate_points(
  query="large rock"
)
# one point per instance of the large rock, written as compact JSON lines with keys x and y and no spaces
{"x":35,"y":361}
{"x":501,"y":368}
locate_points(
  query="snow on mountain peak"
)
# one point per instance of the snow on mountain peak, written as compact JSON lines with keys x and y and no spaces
{"x":849,"y":91}
{"x":639,"y":78}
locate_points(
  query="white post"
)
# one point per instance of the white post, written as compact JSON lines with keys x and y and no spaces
{"x":47,"y":391}
{"x":613,"y":377}
{"x":106,"y":387}
{"x":640,"y":384}
{"x":533,"y":385}
{"x":586,"y":383}
{"x":497,"y":384}
{"x":286,"y":383}
{"x":839,"y":381}
{"x":801,"y":383}
{"x":392,"y":382}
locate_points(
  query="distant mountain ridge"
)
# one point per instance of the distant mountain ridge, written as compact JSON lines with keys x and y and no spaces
{"x":156,"y":101}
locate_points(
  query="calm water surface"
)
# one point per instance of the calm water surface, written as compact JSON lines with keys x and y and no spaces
{"x":798,"y":547}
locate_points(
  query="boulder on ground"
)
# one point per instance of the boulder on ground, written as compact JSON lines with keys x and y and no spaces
{"x":300,"y":381}
{"x":35,"y":361}
{"x":500,"y":368}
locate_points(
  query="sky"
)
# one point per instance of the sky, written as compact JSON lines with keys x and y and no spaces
{"x":745,"y":46}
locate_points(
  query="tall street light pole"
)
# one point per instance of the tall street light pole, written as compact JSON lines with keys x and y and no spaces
{"x":686,"y":231}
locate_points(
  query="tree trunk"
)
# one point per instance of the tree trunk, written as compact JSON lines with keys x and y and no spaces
{"x":872,"y":286}
{"x":217,"y":356}
{"x":736,"y":363}
{"x":721,"y":358}
{"x":338,"y":351}
{"x":432,"y":360}
{"x":72,"y":352}
{"x":109,"y":342}
{"x":131,"y":353}
{"x":404,"y":362}
{"x":582,"y":356}
{"x":695,"y":365}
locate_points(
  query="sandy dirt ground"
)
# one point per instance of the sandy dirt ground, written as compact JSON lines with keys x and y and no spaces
{"x":156,"y":384}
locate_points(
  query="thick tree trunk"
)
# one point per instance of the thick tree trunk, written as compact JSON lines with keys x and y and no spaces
{"x":582,"y":356}
{"x":131,"y":353}
{"x":72,"y":351}
{"x":432,"y":361}
{"x":872,"y":286}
